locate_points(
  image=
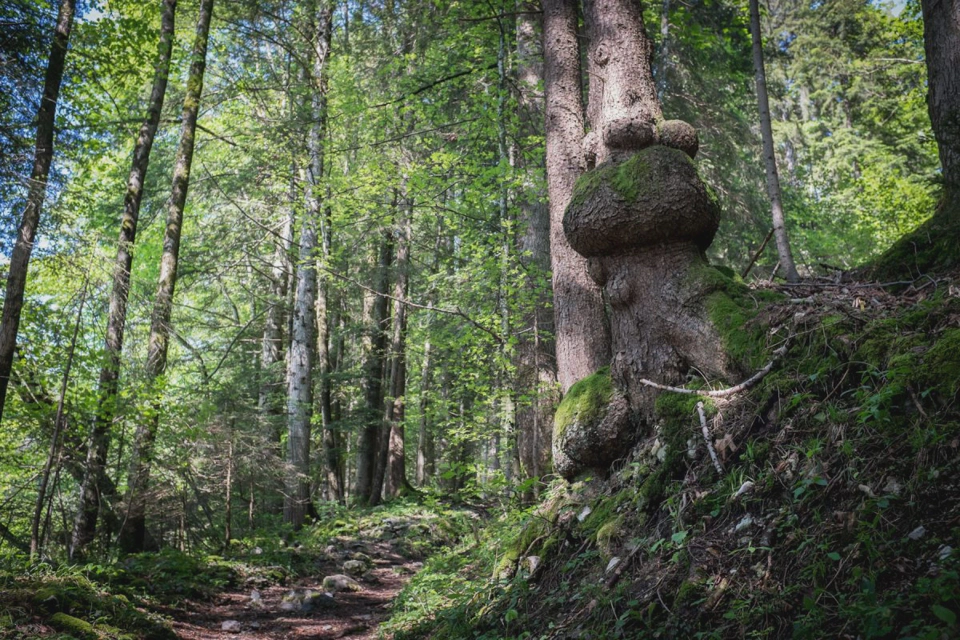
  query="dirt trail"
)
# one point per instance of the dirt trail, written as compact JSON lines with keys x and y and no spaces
{"x":353,"y":615}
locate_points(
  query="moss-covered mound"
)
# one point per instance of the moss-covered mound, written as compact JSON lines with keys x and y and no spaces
{"x":591,"y":426}
{"x":73,"y":606}
{"x":836,"y":513}
{"x":654,"y":197}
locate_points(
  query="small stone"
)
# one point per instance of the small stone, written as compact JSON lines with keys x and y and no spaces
{"x":254,"y":625}
{"x":318,"y":600}
{"x":257,"y":551}
{"x":917,"y":533}
{"x":330,"y":550}
{"x":584,"y":513}
{"x":744,"y":488}
{"x":231,"y":626}
{"x":867,"y":490}
{"x":614,"y":562}
{"x":745,"y":522}
{"x":255,"y":596}
{"x":944,"y":551}
{"x":533,"y":563}
{"x":893,"y":487}
{"x":339,"y":582}
{"x":354,"y":567}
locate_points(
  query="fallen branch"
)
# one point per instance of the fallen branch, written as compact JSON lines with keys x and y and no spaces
{"x":722,"y":393}
{"x":706,"y":438}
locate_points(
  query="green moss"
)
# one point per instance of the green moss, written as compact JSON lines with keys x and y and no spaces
{"x":942,"y":362}
{"x":630,"y":180}
{"x":585,"y":402}
{"x":609,"y":534}
{"x":74,"y":626}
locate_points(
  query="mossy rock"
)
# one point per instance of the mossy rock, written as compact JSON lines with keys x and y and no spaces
{"x":591,"y":427}
{"x":74,"y":626}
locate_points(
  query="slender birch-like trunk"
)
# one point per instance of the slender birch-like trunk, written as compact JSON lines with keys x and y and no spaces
{"x":303,"y":338}
{"x":769,"y":158}
{"x":93,"y":489}
{"x":133,"y":531}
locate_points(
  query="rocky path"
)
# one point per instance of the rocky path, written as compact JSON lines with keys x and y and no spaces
{"x":305,"y":609}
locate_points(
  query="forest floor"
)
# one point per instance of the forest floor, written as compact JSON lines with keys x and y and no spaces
{"x":353,"y":615}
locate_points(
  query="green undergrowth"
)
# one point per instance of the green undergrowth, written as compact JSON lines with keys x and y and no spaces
{"x":836,"y":513}
{"x":42,"y":603}
{"x":114,"y":600}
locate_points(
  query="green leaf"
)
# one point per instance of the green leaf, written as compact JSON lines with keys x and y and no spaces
{"x":944,"y":614}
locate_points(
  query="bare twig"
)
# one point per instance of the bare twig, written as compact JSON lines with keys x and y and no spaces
{"x":756,"y":255}
{"x":706,"y":439}
{"x":723,"y":393}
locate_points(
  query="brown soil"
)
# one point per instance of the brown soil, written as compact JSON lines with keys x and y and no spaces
{"x":355,"y":615}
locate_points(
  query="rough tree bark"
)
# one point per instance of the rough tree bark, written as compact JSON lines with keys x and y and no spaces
{"x":643,"y":218}
{"x":395,"y":479}
{"x":133,"y":531}
{"x":769,"y":157}
{"x":373,"y":369}
{"x":941,"y":35}
{"x":92,"y":492}
{"x":303,"y":338}
{"x":536,"y":353}
{"x":582,"y":334}
{"x":43,"y":156}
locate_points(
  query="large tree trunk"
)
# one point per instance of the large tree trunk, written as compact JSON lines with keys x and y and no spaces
{"x":43,"y":156}
{"x":643,"y":219}
{"x":941,"y":35}
{"x":366,"y":490}
{"x":769,"y":157}
{"x":582,"y":334}
{"x":133,"y":532}
{"x":303,"y":337}
{"x":92,"y":489}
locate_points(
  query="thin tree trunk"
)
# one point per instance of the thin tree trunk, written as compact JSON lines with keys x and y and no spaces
{"x":269,"y":400}
{"x":536,"y":356}
{"x":769,"y":158}
{"x":57,"y":430}
{"x":303,"y":345}
{"x":424,"y":458}
{"x":664,"y":49}
{"x":373,"y":377}
{"x":133,"y":531}
{"x":43,"y":156}
{"x":395,"y":482}
{"x":331,"y":439}
{"x":582,"y":333}
{"x":92,"y":491}
{"x":228,"y":498}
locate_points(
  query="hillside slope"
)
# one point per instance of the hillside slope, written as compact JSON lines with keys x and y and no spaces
{"x":833,"y":509}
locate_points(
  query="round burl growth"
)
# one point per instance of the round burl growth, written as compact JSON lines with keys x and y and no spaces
{"x":681,"y":135}
{"x":655,"y":197}
{"x":590,"y":426}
